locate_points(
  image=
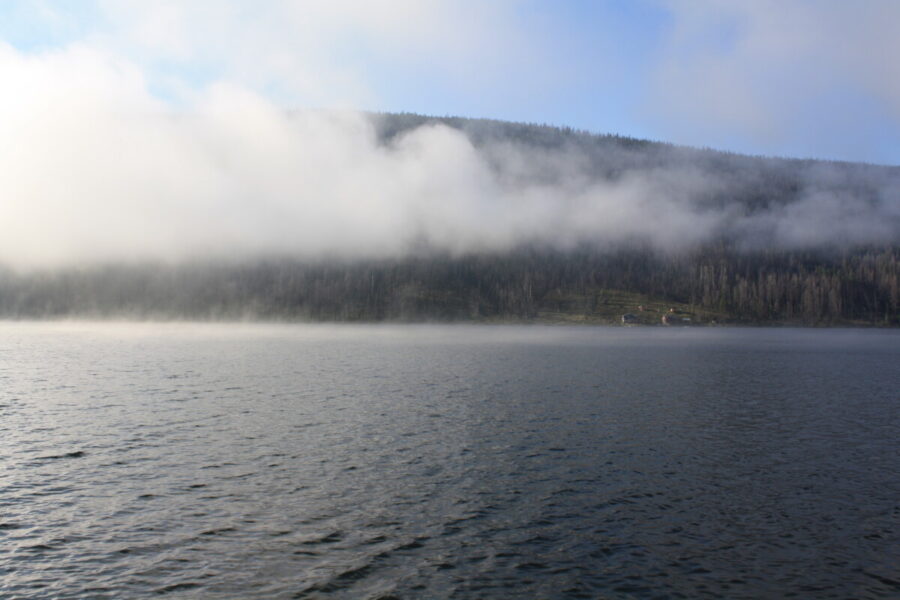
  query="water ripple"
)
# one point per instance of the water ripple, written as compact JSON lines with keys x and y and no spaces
{"x":446,"y":462}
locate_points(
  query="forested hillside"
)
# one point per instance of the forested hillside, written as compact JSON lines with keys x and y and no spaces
{"x":785,"y":241}
{"x":713,"y":285}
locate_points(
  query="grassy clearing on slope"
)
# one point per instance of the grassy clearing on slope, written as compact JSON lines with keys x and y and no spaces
{"x":608,"y":307}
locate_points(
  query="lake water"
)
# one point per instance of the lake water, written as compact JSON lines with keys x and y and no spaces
{"x":322,"y":461}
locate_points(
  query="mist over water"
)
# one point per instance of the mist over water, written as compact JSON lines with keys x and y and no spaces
{"x":159,"y":161}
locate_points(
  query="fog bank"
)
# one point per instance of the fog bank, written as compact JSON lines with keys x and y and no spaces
{"x":96,"y":170}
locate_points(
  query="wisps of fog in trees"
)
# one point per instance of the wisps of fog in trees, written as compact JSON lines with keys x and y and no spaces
{"x":238,"y":178}
{"x":811,"y":288}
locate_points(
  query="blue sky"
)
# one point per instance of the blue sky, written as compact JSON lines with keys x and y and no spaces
{"x":809,"y":78}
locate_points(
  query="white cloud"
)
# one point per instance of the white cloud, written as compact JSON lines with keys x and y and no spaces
{"x":309,"y":52}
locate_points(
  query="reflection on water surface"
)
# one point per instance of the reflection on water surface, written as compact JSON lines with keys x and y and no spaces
{"x":222,"y":461}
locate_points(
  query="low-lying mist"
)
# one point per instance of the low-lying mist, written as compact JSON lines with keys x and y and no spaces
{"x":235,"y":177}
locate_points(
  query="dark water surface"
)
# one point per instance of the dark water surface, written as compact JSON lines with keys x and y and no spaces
{"x":272,"y":461}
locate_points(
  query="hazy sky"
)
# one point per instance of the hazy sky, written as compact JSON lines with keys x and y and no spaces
{"x":812,"y":78}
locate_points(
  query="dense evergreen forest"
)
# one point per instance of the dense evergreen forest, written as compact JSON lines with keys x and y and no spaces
{"x":713,"y":285}
{"x":730,"y":279}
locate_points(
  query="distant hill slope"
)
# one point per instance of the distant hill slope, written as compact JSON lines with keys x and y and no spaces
{"x":756,"y":181}
{"x":770,"y":262}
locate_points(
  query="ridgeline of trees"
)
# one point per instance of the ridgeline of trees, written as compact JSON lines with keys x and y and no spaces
{"x":723,"y":281}
{"x":755,"y":182}
{"x":803,"y":288}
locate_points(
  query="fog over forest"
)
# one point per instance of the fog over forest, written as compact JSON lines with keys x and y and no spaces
{"x":116,"y":204}
{"x":237,"y":178}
